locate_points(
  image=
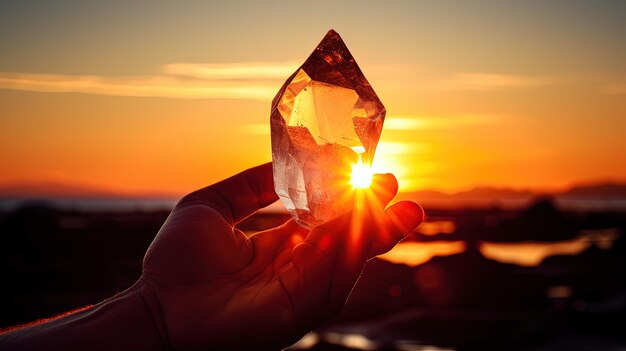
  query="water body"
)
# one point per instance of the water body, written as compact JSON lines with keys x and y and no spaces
{"x":527,"y":253}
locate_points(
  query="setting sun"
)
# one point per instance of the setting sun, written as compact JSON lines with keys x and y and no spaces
{"x":361,"y":175}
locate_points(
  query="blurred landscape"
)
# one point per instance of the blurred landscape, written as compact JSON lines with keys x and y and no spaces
{"x":488,"y":269}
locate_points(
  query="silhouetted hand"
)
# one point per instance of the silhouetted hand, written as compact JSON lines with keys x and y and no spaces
{"x":217,"y":287}
{"x":206,"y":285}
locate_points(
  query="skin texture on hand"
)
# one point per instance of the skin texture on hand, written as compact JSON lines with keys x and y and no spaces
{"x":217,"y":288}
{"x":206,"y":285}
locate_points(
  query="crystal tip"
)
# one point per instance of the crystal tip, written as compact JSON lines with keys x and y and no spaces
{"x":333,"y":43}
{"x":332,"y":34}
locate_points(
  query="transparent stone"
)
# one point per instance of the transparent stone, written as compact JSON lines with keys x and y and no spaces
{"x":324,"y":119}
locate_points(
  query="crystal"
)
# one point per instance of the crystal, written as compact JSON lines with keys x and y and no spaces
{"x":325,"y":119}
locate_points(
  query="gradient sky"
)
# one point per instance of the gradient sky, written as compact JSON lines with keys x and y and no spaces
{"x":147,"y":97}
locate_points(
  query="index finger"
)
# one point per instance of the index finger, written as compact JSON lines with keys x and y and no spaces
{"x":239,"y":196}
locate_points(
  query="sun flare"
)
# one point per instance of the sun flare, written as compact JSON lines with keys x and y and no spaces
{"x":361,"y":175}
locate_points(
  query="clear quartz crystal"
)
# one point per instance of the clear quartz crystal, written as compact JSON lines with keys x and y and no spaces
{"x":324,"y":118}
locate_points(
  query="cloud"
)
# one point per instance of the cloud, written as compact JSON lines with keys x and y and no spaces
{"x":152,"y":86}
{"x":410,"y":123}
{"x":491,"y":82}
{"x":252,"y":80}
{"x":242,"y":70}
{"x":242,"y":80}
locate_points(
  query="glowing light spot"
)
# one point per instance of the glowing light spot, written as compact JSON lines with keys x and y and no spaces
{"x":361,"y":175}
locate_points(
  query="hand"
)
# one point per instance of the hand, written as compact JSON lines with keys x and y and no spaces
{"x":216,"y":288}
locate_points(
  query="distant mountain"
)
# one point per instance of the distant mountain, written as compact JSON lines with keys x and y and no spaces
{"x":475,"y":194}
{"x":491,"y":192}
{"x":54,"y":190}
{"x":486,"y":196}
{"x":601,"y":190}
{"x":478,"y":196}
{"x":58,"y":190}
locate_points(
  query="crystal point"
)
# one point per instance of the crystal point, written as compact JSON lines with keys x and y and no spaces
{"x":324,"y":119}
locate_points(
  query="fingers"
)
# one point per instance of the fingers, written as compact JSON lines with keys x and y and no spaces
{"x":269,"y":245}
{"x":398,"y":221}
{"x":367,"y":234}
{"x":239,"y":196}
{"x":405,"y":216}
{"x":333,"y":254}
{"x":383,"y":188}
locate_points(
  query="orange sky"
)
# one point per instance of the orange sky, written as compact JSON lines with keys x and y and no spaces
{"x":163,"y":98}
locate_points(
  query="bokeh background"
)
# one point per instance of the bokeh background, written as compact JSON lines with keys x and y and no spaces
{"x":505,"y":121}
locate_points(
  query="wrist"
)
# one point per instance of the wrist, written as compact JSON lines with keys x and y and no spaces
{"x":154,"y":312}
{"x":136,"y":315}
{"x":127,"y":321}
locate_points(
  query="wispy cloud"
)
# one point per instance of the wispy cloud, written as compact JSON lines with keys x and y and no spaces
{"x":252,"y":80}
{"x":243,"y":80}
{"x":491,"y":82}
{"x":241,"y":70}
{"x":152,"y":86}
{"x":420,"y":122}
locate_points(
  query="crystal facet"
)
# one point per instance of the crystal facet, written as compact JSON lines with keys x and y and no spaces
{"x":325,"y":118}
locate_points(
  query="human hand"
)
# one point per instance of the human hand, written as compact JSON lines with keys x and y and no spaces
{"x":216,"y":288}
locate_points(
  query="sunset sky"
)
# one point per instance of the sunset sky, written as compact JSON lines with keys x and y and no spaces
{"x":163,"y":97}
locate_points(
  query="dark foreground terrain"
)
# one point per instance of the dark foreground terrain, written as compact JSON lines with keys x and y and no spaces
{"x":573,"y":298}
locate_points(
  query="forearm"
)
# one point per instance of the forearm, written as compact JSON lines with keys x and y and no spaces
{"x":123,"y":322}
